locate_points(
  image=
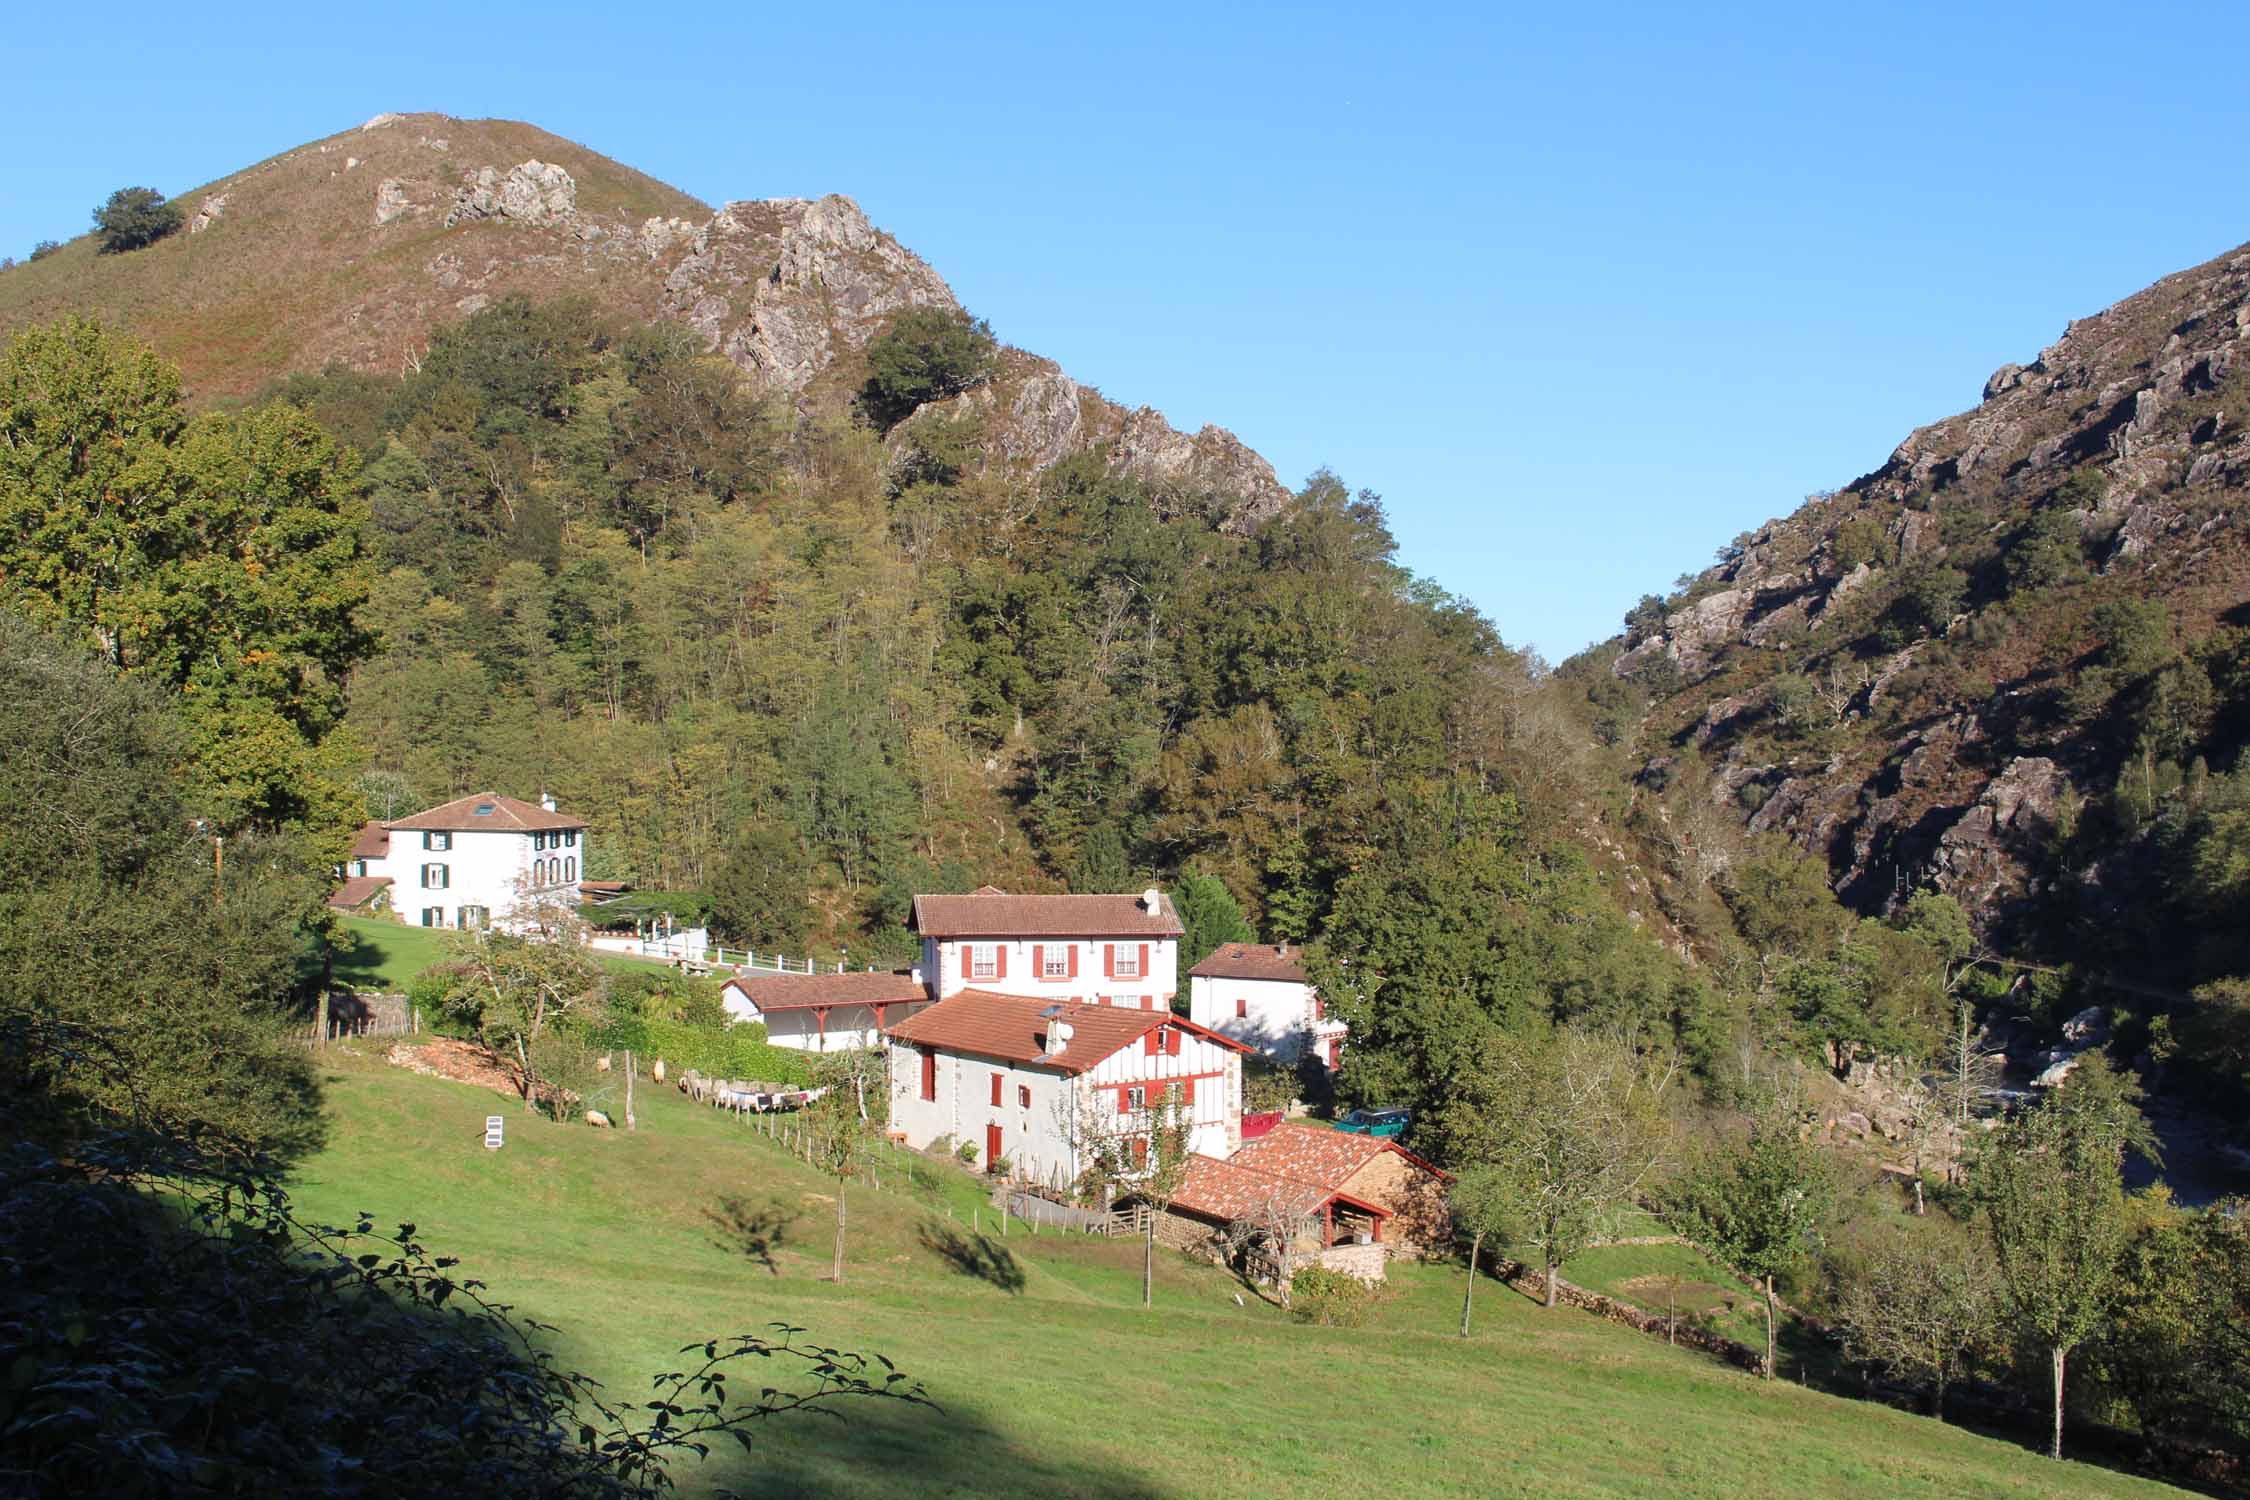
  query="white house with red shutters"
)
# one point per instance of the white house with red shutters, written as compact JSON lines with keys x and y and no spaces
{"x":1027,"y":1080}
{"x":1101,"y":950}
{"x":1258,"y":994}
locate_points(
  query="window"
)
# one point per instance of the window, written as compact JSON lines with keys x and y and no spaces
{"x":1054,"y":961}
{"x":475,"y":918}
{"x":570,"y":838}
{"x":1182,"y":1092}
{"x":359,"y":867}
{"x":1125,"y":961}
{"x":984,"y":960}
{"x":433,"y":916}
{"x":539,"y":841}
{"x":1023,"y":1096}
{"x":438,"y":843}
{"x":570,"y":870}
{"x":929,"y":1075}
{"x":996,"y":1091}
{"x":435,"y":877}
{"x":1140,"y":1151}
{"x":1241,"y":1007}
{"x":1136,"y":1098}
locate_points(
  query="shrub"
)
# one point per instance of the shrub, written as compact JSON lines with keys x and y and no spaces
{"x":134,"y":217}
{"x":1329,"y":1298}
{"x":966,"y":1153}
{"x":927,"y":354}
{"x":44,"y":249}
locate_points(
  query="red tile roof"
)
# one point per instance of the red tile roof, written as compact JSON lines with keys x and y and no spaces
{"x":488,"y":811}
{"x":1228,"y":1190}
{"x":357,"y":891}
{"x":1253,"y":961}
{"x":991,"y":913}
{"x":374,"y":841}
{"x":809,"y":991}
{"x":1310,"y":1153}
{"x":1014,"y":1029}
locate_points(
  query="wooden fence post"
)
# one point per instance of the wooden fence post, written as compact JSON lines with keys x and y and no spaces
{"x":320,"y":1020}
{"x":629,"y":1125}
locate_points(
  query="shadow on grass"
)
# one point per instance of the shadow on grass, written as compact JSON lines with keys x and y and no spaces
{"x":973,"y":1255}
{"x":913,"y":1451}
{"x":755,"y":1230}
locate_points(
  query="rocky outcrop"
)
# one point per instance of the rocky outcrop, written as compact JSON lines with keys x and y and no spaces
{"x":532,"y":192}
{"x":391,"y":201}
{"x":207,"y":213}
{"x":1950,"y":745}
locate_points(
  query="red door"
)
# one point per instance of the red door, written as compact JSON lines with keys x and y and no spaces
{"x":991,"y":1146}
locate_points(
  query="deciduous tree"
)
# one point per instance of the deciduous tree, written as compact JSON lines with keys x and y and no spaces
{"x":2052,"y":1190}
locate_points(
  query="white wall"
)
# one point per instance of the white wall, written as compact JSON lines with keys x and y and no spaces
{"x":1036,"y":1138}
{"x":485,"y":867}
{"x":1278,"y":1019}
{"x":947,"y":963}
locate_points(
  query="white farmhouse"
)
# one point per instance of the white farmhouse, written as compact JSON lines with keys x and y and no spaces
{"x":1257,"y":993}
{"x":1029,"y":1081}
{"x":1106,"y":950}
{"x":467,"y":863}
{"x":824,"y":1012}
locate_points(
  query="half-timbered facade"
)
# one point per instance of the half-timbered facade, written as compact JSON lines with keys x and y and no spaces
{"x":1030,"y":1083}
{"x":1099,"y":950}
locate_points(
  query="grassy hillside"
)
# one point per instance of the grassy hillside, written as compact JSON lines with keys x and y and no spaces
{"x":384,"y":955}
{"x":295,"y":272}
{"x":1052,"y":1381}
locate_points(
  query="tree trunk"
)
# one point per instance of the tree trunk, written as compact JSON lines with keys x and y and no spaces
{"x":1937,"y":1397}
{"x":1921,"y":1209}
{"x":1550,"y":1283}
{"x":523,"y":1058}
{"x":1769,"y":1327}
{"x":1148,"y":1257}
{"x":1475,"y":1246}
{"x":838,"y":1271}
{"x":2055,"y":1449}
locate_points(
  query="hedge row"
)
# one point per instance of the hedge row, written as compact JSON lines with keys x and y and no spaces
{"x":739,"y":1051}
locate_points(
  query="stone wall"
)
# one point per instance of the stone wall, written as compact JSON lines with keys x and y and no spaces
{"x":1533,"y":1283}
{"x":1369,"y":1263}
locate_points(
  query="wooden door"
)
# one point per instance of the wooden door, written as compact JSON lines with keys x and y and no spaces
{"x":991,"y":1145}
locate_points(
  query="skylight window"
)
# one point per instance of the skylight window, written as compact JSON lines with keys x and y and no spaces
{"x":484,"y":809}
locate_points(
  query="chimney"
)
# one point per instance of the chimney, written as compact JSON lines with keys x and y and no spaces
{"x":547,"y":800}
{"x":1057,"y":1038}
{"x":1281,"y":949}
{"x":1152,"y":898}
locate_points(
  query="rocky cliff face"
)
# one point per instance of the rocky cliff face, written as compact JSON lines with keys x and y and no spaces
{"x":1939,"y":751}
{"x":410,"y":220}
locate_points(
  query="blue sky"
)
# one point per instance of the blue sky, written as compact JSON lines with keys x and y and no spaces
{"x":1582,"y":291}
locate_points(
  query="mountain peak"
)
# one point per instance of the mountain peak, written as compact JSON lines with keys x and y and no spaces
{"x":351,"y":249}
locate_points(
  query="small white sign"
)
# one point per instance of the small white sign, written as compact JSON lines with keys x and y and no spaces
{"x":492,"y":1127}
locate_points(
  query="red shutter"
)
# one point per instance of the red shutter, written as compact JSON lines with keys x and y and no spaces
{"x":1241,"y":1007}
{"x":1109,"y":960}
{"x":996,"y":1088}
{"x":929,"y":1075}
{"x":1000,"y":959}
{"x":1189,"y":1097}
{"x":1124,"y":1104}
{"x":1074,"y":960}
{"x":1144,"y":960}
{"x":1140,"y":1150}
{"x":1038,"y":960}
{"x":1023,"y":1096}
{"x":1172,"y":1040}
{"x":1148,"y":1002}
{"x":1150,"y":1043}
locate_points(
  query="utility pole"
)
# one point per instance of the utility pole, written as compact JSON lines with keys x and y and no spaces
{"x":218,"y":866}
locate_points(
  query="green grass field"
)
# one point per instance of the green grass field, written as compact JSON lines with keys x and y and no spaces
{"x":1051,"y":1379}
{"x":384,"y":955}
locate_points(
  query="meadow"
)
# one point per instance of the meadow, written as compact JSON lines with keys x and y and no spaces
{"x":1050,"y":1379}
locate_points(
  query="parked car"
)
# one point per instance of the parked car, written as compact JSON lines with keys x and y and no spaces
{"x":1388,"y":1123}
